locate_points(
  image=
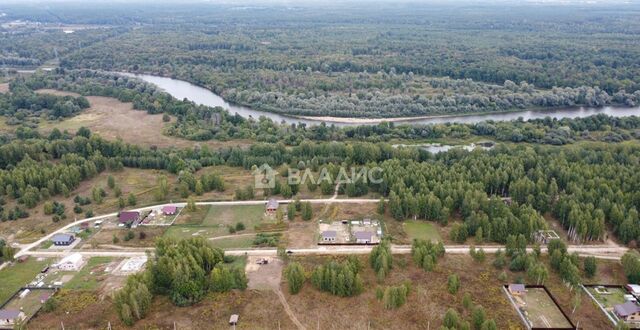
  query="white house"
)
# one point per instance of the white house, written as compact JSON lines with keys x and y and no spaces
{"x":71,"y":262}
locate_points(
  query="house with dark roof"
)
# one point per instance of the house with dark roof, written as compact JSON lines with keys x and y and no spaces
{"x":363,"y":237}
{"x":63,"y":239}
{"x":169,"y":210}
{"x":129,"y":217}
{"x":9,"y":317}
{"x":329,"y":236}
{"x":629,"y":311}
{"x":517,"y":289}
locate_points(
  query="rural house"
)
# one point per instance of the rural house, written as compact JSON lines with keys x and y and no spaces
{"x":363,"y":237}
{"x":8,"y":317}
{"x":329,"y":236}
{"x":169,"y":210}
{"x":129,"y":217}
{"x":63,"y":239}
{"x":272,"y":206}
{"x":629,"y":311}
{"x":517,"y":289}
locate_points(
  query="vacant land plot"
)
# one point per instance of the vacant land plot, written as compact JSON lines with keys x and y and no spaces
{"x":91,"y":275}
{"x":214,"y":222}
{"x":17,"y":275}
{"x":264,"y":277}
{"x":540,"y":309}
{"x":109,"y":237}
{"x":416,"y":229}
{"x":257,"y":310}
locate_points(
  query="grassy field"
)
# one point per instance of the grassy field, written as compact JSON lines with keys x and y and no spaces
{"x":421,"y":230}
{"x":214,"y":221}
{"x":18,"y":275}
{"x":89,"y":277}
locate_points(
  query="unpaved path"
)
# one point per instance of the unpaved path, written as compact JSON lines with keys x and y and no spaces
{"x":288,"y":310}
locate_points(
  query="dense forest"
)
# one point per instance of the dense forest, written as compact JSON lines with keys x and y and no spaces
{"x":588,"y":188}
{"x":384,"y":61}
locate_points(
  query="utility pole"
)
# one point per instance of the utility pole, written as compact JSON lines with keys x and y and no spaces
{"x":62,"y":325}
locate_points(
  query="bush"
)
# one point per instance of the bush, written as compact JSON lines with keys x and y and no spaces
{"x":240,"y":226}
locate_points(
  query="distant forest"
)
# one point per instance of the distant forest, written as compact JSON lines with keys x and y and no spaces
{"x":385,"y":61}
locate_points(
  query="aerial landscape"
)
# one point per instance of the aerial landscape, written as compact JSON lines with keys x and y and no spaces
{"x":356,"y":164}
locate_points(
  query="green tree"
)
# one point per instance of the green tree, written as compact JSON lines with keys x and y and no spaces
{"x":307,"y":211}
{"x":132,"y":200}
{"x":291,"y":211}
{"x":295,"y":277}
{"x":453,"y":283}
{"x":590,"y":266}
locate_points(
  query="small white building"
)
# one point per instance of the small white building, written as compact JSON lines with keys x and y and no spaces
{"x":71,"y":262}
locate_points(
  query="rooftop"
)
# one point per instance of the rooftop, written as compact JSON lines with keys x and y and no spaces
{"x":626,"y":309}
{"x":126,"y":216}
{"x":329,"y":234}
{"x":9,"y":314}
{"x":272,"y":203}
{"x":363,"y":235}
{"x":169,"y":209}
{"x":517,"y":287}
{"x":62,"y":237}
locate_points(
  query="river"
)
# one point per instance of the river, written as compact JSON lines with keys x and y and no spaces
{"x":182,"y":89}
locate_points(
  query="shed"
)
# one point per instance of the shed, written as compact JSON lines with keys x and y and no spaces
{"x":517,"y":289}
{"x":363,"y":237}
{"x":633,"y":289}
{"x":63,"y":239}
{"x":329,"y":235}
{"x":272,"y":205}
{"x":233,"y":320}
{"x":169,"y":210}
{"x":129,"y":216}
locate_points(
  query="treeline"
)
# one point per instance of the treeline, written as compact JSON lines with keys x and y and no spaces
{"x":184,"y":271}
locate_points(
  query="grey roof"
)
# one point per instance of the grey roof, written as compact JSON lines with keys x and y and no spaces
{"x":517,"y":287}
{"x":272,"y":203}
{"x":9,"y":314}
{"x":363,"y":235}
{"x":329,"y":234}
{"x":62,"y":237}
{"x":627,"y":309}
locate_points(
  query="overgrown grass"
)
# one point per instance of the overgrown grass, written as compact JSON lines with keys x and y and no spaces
{"x":15,"y":276}
{"x":421,"y":230}
{"x":84,"y":279}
